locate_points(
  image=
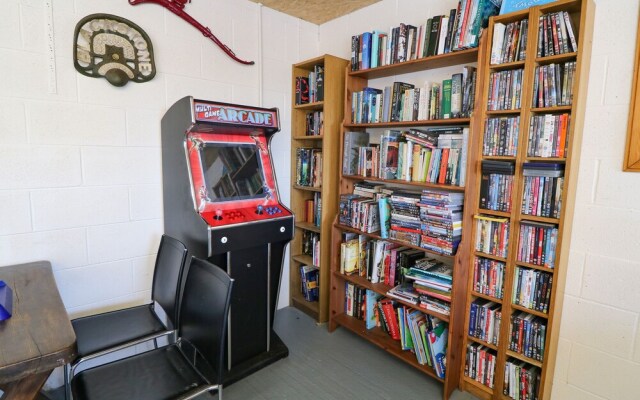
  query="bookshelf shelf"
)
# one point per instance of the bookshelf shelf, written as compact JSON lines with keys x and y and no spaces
{"x":317,"y":204}
{"x":422,"y":64}
{"x":581,"y":14}
{"x":380,"y":338}
{"x":524,"y":358}
{"x":308,"y":137}
{"x":530,"y":311}
{"x":451,"y":188}
{"x":546,"y":110}
{"x":302,"y":259}
{"x":490,"y":256}
{"x":499,"y":158}
{"x":308,"y":188}
{"x":486,"y":297}
{"x":510,"y":65}
{"x":402,"y":124}
{"x":482,"y":342}
{"x":309,"y":106}
{"x":484,"y":390}
{"x":351,"y":178}
{"x":382,"y":289}
{"x":376,"y":235}
{"x":557,"y":58}
{"x":495,"y":213}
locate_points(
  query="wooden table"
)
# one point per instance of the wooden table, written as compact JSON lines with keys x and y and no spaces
{"x":38,"y":337}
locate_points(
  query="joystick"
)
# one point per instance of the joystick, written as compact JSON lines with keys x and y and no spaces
{"x":259,"y":210}
{"x":218,"y":215}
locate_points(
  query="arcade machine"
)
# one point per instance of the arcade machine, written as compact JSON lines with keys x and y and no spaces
{"x":221,"y":200}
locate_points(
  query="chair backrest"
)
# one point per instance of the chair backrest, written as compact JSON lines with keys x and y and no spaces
{"x":167,"y":276}
{"x":204,"y":311}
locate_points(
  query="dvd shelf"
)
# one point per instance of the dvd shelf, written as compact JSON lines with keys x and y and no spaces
{"x":531,"y":110}
{"x":316,"y":114}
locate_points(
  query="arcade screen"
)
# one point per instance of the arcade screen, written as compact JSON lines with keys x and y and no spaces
{"x":232,"y":171}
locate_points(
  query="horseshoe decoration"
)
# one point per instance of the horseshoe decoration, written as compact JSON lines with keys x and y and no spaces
{"x":177,"y":7}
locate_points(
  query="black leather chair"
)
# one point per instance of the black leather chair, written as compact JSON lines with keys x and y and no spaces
{"x":192,"y":367}
{"x":101,"y":334}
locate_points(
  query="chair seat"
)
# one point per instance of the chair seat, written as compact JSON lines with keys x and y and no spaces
{"x":159,"y":374}
{"x":103,"y":331}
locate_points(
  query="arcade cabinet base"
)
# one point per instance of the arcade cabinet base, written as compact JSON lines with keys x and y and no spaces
{"x":278,"y":350}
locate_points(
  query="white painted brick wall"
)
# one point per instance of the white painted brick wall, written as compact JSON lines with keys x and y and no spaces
{"x":80,"y":169}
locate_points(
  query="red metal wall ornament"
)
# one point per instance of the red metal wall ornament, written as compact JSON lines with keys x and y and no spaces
{"x":177,"y":7}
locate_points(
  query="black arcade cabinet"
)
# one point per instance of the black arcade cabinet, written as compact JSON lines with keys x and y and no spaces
{"x":221,"y":199}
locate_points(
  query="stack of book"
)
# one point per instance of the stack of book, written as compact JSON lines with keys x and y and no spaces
{"x":556,"y":34}
{"x":451,"y":98}
{"x":308,"y":167}
{"x":537,"y":243}
{"x":548,"y":135}
{"x":311,"y":246}
{"x":355,"y":299}
{"x":441,"y":220}
{"x":553,"y":85}
{"x":484,"y":320}
{"x":359,"y":212}
{"x":480,"y":364}
{"x":509,"y":42}
{"x":440,"y":34}
{"x":528,"y":334}
{"x":492,"y":235}
{"x":310,"y":89}
{"x":432,"y":280}
{"x":496,"y":185}
{"x":501,"y":136}
{"x":405,"y":224}
{"x":313,"y":209}
{"x":532,"y":289}
{"x":488,"y":277}
{"x":543,"y":184}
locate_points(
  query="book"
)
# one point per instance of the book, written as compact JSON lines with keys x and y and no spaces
{"x":515,"y":5}
{"x":353,"y":140}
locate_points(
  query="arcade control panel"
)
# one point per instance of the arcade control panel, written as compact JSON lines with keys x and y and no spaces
{"x":224,"y":217}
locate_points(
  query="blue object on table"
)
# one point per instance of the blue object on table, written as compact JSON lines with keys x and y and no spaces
{"x":6,"y":301}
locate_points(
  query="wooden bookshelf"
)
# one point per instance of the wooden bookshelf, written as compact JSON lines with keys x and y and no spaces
{"x":356,"y":81}
{"x":581,"y":12}
{"x":332,"y":109}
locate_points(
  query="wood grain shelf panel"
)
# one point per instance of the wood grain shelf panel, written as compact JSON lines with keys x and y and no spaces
{"x":426,"y":185}
{"x":402,"y":124}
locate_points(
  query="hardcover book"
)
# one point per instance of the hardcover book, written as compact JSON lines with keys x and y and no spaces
{"x":515,"y":5}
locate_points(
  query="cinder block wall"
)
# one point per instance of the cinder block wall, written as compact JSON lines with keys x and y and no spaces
{"x":80,"y":169}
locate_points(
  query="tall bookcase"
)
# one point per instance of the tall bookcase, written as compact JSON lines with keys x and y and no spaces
{"x":356,"y":81}
{"x":511,"y":347}
{"x":327,"y":142}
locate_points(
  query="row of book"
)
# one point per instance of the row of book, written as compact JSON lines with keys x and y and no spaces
{"x":553,"y":85}
{"x":532,"y":289}
{"x":484,"y":320}
{"x":501,"y":136}
{"x":308,"y":167}
{"x":441,"y":34}
{"x":451,"y":98}
{"x":441,"y":220}
{"x":434,"y":155}
{"x":548,"y":135}
{"x":313,"y":209}
{"x":492,"y":235}
{"x":424,"y":335}
{"x":310,"y":89}
{"x":543,"y":184}
{"x":496,"y":185}
{"x":359,"y":212}
{"x":314,"y":124}
{"x":528,"y":335}
{"x":537,"y":243}
{"x":431,"y":282}
{"x":309,"y":285}
{"x":505,"y":90}
{"x":480,"y":364}
{"x":556,"y":34}
{"x":311,"y":246}
{"x":509,"y":42}
{"x":488,"y":277}
{"x":521,"y":380}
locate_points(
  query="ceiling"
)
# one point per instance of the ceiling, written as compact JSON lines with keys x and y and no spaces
{"x":316,"y":11}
